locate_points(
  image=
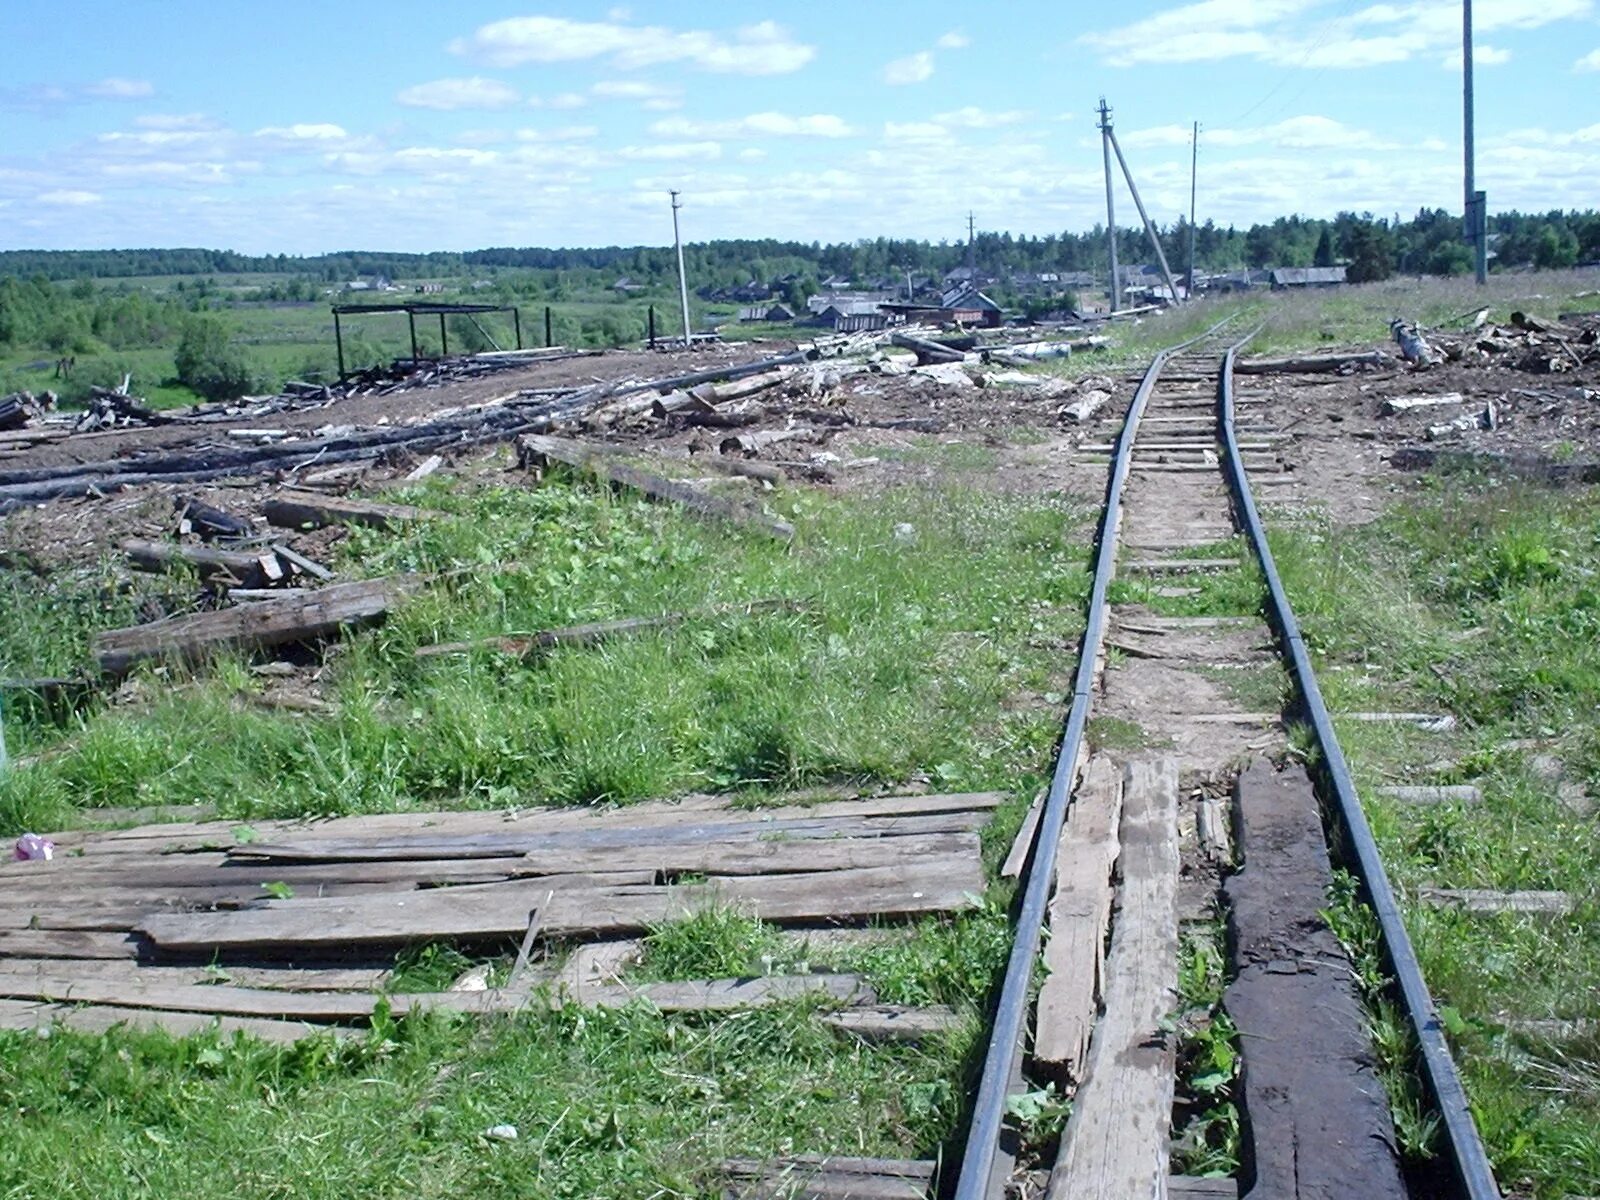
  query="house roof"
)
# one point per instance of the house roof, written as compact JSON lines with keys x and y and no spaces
{"x":967,"y":296}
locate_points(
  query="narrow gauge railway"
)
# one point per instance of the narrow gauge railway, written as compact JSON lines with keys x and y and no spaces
{"x":1191,"y":817}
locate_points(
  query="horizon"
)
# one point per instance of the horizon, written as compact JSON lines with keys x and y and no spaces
{"x":564,"y":125}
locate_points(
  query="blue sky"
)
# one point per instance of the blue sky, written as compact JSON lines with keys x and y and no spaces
{"x":300,"y":127}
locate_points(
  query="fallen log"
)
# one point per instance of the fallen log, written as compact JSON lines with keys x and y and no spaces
{"x":752,"y":443}
{"x":525,"y":644}
{"x":1308,"y":365}
{"x":537,"y":450}
{"x":926,"y":351}
{"x":294,"y":618}
{"x":238,"y":567}
{"x":310,"y":510}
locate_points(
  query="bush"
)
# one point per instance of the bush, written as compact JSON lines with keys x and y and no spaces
{"x":208,"y":364}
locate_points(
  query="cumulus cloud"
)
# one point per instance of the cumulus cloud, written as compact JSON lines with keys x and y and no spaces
{"x":1589,"y":62}
{"x":69,"y":198}
{"x":1308,"y":132}
{"x":1292,"y":33}
{"x":764,"y":48}
{"x":119,"y":88}
{"x":452,"y":94}
{"x":954,"y":40}
{"x":674,"y":151}
{"x":319,"y":132}
{"x":913,"y":68}
{"x":763,"y":124}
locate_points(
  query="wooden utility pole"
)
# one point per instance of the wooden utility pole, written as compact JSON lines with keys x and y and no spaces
{"x":972,"y":250}
{"x":1149,"y":226}
{"x":1194,"y":173}
{"x":1111,"y":208}
{"x":1476,"y":213}
{"x":683,"y":282}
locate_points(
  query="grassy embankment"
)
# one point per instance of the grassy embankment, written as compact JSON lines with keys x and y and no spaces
{"x":896,"y":671}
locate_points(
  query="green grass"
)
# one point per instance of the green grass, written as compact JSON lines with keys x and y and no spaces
{"x":1479,"y":598}
{"x":896,"y":665}
{"x":625,"y":1103}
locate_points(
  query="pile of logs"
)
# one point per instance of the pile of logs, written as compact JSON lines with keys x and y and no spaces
{"x":1528,"y":343}
{"x":17,"y":409}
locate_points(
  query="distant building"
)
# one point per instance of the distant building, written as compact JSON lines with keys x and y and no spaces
{"x":626,"y":285}
{"x":1302,"y":277}
{"x":766,"y":312}
{"x":430,"y":289}
{"x":963,"y":304}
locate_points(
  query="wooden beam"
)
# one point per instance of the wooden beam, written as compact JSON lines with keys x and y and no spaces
{"x":301,"y":617}
{"x":1117,"y":1140}
{"x":311,"y":510}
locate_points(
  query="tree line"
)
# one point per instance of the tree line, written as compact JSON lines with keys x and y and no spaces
{"x":1428,"y":243}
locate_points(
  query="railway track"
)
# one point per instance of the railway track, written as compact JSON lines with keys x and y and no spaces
{"x":1167,"y":751}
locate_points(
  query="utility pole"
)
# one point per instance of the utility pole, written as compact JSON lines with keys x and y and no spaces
{"x":972,"y":250}
{"x":1194,"y":173}
{"x":1149,"y":226}
{"x":1476,"y":215}
{"x":683,"y":283}
{"x":1111,"y":208}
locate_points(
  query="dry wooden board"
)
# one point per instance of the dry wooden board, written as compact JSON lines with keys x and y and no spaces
{"x":1178,"y":566}
{"x":500,"y":910}
{"x":1078,"y":915}
{"x":610,"y":838}
{"x":1485,"y":900}
{"x":721,"y":995}
{"x":827,"y":1177}
{"x":74,"y":944}
{"x":98,"y":1018}
{"x":311,"y":510}
{"x":1116,"y":1142}
{"x":287,"y":979}
{"x":895,"y":1023}
{"x":226,"y":835}
{"x":780,"y":856}
{"x":1463,"y":793}
{"x":295,"y":618}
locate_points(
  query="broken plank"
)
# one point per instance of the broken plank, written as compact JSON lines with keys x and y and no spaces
{"x":1461,"y":793}
{"x":500,"y":911}
{"x":721,"y":995}
{"x":1318,"y":1116}
{"x":66,"y":943}
{"x":1309,"y":364}
{"x":895,"y":1023}
{"x":1116,"y":1142}
{"x":768,"y":857}
{"x":537,"y":447}
{"x":99,"y":1018}
{"x":1488,"y":900}
{"x":522,"y":645}
{"x":289,"y":509}
{"x":1022,"y":844}
{"x":295,"y":618}
{"x":232,"y":566}
{"x":1078,"y":915}
{"x":824,"y":1177}
{"x":1178,"y":566}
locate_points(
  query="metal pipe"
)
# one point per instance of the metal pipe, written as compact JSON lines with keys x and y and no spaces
{"x":1467,"y":1157}
{"x":1005,"y":1045}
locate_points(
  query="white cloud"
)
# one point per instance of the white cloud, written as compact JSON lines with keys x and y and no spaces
{"x":451,"y":94}
{"x":752,"y":154}
{"x":1589,"y":62}
{"x":1482,"y":56}
{"x":176,"y":121}
{"x":1296,"y":133}
{"x":764,"y":48}
{"x":674,"y":151}
{"x":763,"y":124}
{"x":321,"y":132}
{"x":565,"y":133}
{"x":914,"y":68}
{"x":914,"y":131}
{"x":972,"y":117}
{"x":1289,"y":33}
{"x":119,"y":88}
{"x":69,"y":198}
{"x":954,"y":40}
{"x":650,"y":95}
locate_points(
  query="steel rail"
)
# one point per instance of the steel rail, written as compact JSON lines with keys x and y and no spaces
{"x":1467,"y":1157}
{"x":1005,"y":1045}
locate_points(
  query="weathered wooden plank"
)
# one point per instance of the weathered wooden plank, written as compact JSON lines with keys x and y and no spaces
{"x":290,"y":509}
{"x":1177,"y":566}
{"x":536,"y":448}
{"x":297,"y":617}
{"x":124,"y":970}
{"x":523,"y":645}
{"x":500,"y":910}
{"x":234,"y":566}
{"x":1461,"y":793}
{"x":784,"y":855}
{"x":1487,"y":900}
{"x":1317,"y":1113}
{"x":823,"y":1177}
{"x":895,"y":1023}
{"x":1116,"y":1142}
{"x":722,"y":995}
{"x":97,"y":1018}
{"x":66,"y":943}
{"x":1079,"y":912}
{"x":612,"y":838}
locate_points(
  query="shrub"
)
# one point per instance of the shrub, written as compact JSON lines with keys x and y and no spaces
{"x":208,"y":364}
